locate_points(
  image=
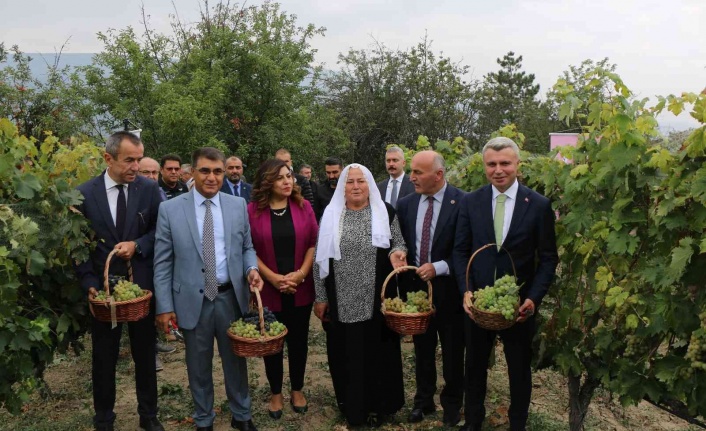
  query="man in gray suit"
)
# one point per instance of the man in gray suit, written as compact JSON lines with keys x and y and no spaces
{"x":199,"y":276}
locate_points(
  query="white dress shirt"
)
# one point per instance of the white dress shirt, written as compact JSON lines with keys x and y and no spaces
{"x":112,"y":192}
{"x":511,"y":194}
{"x":218,"y":232}
{"x":441,"y":267}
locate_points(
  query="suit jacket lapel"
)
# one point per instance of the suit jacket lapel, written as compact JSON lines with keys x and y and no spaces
{"x":190,"y":215}
{"x":521,"y":204}
{"x":444,"y":213}
{"x":487,"y":212}
{"x":412,"y":226}
{"x":132,"y":205}
{"x":101,"y":197}
{"x":227,"y":214}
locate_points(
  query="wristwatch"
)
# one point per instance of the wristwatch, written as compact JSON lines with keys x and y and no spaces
{"x":138,"y":250}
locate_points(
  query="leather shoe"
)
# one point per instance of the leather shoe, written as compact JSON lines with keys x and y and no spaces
{"x":151,"y":424}
{"x":208,"y":428}
{"x":452,"y":419}
{"x":108,"y":427}
{"x":275,"y":414}
{"x":243,"y":425}
{"x":417,"y":414}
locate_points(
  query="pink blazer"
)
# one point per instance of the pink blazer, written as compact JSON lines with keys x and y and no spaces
{"x":305,"y":232}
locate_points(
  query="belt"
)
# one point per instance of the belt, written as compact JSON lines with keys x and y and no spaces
{"x":225,"y":287}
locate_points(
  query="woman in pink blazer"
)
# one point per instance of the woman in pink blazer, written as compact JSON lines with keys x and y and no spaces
{"x":284,"y":230}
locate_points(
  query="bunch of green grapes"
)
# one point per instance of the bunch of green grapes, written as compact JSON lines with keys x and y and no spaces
{"x":696,"y":353}
{"x":245,"y":330}
{"x":276,"y":328}
{"x":395,"y":305}
{"x":500,"y":298}
{"x":126,"y":290}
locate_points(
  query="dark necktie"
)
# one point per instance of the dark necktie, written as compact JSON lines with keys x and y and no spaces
{"x":393,"y":195}
{"x":120,"y":212}
{"x":236,"y":189}
{"x":209,"y":254}
{"x":426,"y":233}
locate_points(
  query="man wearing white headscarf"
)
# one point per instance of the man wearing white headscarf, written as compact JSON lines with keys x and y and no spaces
{"x":359,"y":244}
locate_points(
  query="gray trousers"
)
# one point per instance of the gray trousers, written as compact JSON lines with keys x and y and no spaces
{"x":214,"y":321}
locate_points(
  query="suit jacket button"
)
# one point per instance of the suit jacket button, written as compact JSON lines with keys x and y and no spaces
{"x":200,"y":290}
{"x":203,"y":270}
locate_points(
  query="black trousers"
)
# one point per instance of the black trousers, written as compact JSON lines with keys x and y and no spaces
{"x":517,"y":345}
{"x":447,"y":327}
{"x":296,"y":319}
{"x":106,"y":346}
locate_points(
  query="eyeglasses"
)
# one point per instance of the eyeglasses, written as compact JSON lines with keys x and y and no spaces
{"x":149,"y":172}
{"x":171,"y":169}
{"x":206,"y":171}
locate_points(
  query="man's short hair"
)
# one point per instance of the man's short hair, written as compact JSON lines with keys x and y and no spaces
{"x":282,"y":151}
{"x":305,"y":166}
{"x":330,"y":161}
{"x":209,"y":153}
{"x":395,"y":149}
{"x":186,"y":167}
{"x":439,"y":162}
{"x":169,"y":157}
{"x":112,"y":145}
{"x":500,"y":143}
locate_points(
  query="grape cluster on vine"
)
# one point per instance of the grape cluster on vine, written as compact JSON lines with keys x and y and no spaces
{"x":501,"y":298}
{"x":123,"y":290}
{"x":417,"y":302}
{"x":248,"y":326}
{"x":696,"y":353}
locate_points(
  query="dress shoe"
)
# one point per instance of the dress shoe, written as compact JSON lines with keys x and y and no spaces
{"x":108,"y":427}
{"x":208,"y":428}
{"x":452,"y":419}
{"x":151,"y":424}
{"x":243,"y":425}
{"x":417,"y":414}
{"x":469,"y":427}
{"x":299,"y":409}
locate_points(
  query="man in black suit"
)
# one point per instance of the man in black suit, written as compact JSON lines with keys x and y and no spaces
{"x":429,"y":231}
{"x":234,"y":183}
{"x":324,"y":190}
{"x":524,"y":226}
{"x":122,"y":208}
{"x":398,"y":184}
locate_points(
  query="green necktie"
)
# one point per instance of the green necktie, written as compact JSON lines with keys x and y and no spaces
{"x":499,"y":218}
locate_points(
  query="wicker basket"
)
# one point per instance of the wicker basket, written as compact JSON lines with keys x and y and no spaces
{"x":486,"y":319}
{"x":123,"y":311}
{"x":257,"y":347}
{"x":407,"y":323}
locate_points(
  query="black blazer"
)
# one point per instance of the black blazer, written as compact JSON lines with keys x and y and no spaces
{"x":140,"y":225}
{"x":531,"y":241}
{"x":245,"y":189}
{"x":445,"y":289}
{"x":406,"y":187}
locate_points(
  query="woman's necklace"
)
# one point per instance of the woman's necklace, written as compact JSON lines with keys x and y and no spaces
{"x":281,"y":213}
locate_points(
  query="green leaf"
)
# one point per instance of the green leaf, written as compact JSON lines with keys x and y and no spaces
{"x":26,"y":185}
{"x":63,"y":323}
{"x":681,"y":256}
{"x":631,"y":321}
{"x":37,"y":263}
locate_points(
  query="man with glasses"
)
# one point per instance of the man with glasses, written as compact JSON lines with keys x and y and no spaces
{"x":169,"y":176}
{"x":204,"y":285}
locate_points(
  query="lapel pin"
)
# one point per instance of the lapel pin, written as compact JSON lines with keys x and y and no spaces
{"x":453,"y":202}
{"x":526,"y":199}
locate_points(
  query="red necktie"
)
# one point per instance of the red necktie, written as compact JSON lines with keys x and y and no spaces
{"x":426,"y":233}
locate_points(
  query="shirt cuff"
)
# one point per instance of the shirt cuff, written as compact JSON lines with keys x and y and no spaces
{"x":247,"y":271}
{"x":441,"y":268}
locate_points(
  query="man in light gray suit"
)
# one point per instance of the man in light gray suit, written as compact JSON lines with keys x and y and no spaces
{"x":200,"y":272}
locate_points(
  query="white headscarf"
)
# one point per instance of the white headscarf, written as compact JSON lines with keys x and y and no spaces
{"x":329,"y":242}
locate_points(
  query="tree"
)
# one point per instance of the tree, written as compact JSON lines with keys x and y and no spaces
{"x":509,"y":96}
{"x":237,"y":80}
{"x":390,"y":96}
{"x":42,"y":310}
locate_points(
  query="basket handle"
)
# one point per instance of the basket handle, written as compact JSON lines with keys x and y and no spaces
{"x":261,"y":312}
{"x":106,"y":284}
{"x":396,"y":271}
{"x":468,"y":267}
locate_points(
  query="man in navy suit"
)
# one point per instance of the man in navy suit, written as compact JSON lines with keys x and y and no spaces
{"x":233,"y":183}
{"x":122,"y":208}
{"x":204,"y":270}
{"x":435,"y":224}
{"x":398,"y":184}
{"x":524,"y":226}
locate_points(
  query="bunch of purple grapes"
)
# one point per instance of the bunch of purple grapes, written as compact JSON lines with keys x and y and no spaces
{"x":253,"y":317}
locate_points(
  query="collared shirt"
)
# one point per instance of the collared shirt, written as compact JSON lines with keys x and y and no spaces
{"x":441,"y":267}
{"x":390,"y":185}
{"x":511,"y":194}
{"x":234,"y":187}
{"x":218,"y":232}
{"x":112,"y":192}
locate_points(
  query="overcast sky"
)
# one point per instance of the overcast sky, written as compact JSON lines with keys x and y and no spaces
{"x":658,"y":45}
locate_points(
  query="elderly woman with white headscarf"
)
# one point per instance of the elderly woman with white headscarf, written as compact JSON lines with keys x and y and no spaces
{"x":359,"y":244}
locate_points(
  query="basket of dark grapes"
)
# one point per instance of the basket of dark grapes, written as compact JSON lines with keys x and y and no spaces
{"x":120,"y":300}
{"x":411,"y":317}
{"x":257,"y":333}
{"x":494,"y":307}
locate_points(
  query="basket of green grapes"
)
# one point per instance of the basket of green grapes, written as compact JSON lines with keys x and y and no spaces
{"x":257,"y":333}
{"x":494,"y":307}
{"x":411,"y":317}
{"x":120,"y":300}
